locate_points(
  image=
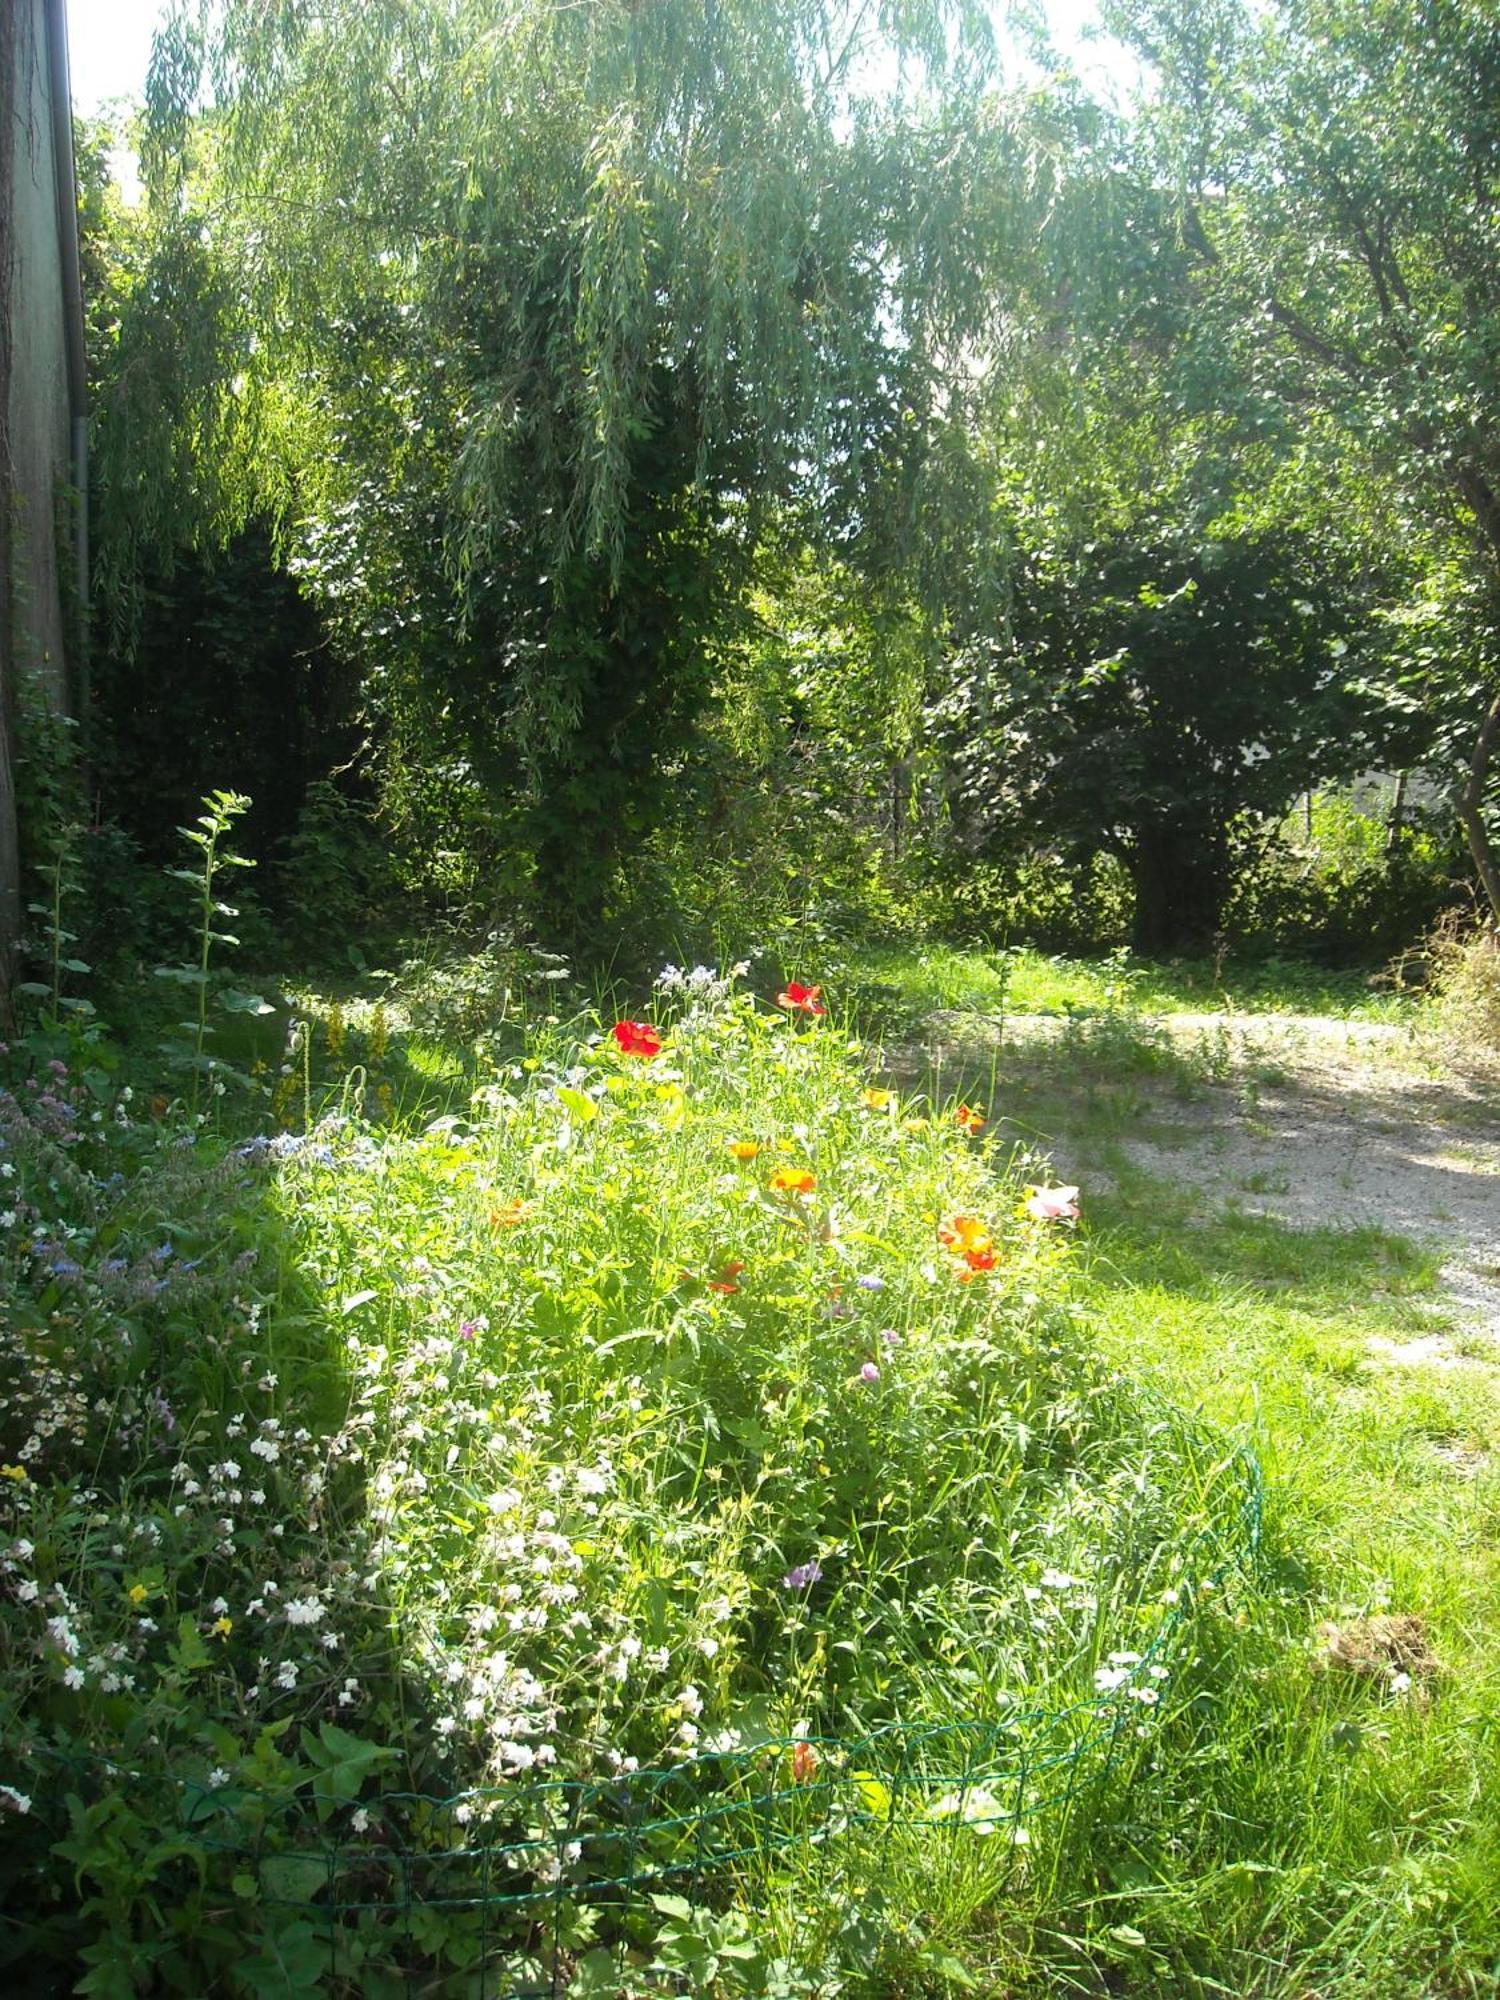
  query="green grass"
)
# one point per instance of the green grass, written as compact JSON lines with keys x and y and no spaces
{"x":1319,"y":1834}
{"x":895,"y":985}
{"x":1309,"y":1831}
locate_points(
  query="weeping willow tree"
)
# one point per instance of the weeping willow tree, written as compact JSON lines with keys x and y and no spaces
{"x":522,"y":323}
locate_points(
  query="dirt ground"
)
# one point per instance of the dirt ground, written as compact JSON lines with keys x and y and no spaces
{"x":1310,"y":1120}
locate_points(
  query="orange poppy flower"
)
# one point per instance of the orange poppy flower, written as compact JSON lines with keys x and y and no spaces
{"x":801,"y":999}
{"x":793,"y":1180}
{"x":964,"y":1233}
{"x":512,"y":1213}
{"x":636,"y":1038}
{"x":728,"y":1272}
{"x":969,"y":1120}
{"x":743,"y":1149}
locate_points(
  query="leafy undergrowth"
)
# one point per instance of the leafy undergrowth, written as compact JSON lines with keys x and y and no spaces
{"x":656,"y":1527}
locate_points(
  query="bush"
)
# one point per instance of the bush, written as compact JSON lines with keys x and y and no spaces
{"x":1347,"y":893}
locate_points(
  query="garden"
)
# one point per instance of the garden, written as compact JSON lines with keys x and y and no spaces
{"x":748,"y":1102}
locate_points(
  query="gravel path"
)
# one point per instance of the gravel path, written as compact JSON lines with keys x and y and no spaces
{"x":1314,"y":1120}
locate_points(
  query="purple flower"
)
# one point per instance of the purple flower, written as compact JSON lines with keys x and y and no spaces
{"x":467,"y":1328}
{"x":869,"y":1372}
{"x":890,"y":1336}
{"x":804,"y":1576}
{"x":870,"y":1284}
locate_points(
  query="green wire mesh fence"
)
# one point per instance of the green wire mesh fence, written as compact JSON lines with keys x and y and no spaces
{"x":518,"y":1880}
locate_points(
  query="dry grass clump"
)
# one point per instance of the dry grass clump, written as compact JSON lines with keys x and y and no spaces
{"x":1463,"y":964}
{"x":1392,"y":1648}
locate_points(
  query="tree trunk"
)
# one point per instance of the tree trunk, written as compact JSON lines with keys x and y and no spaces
{"x":10,"y":864}
{"x":1395,"y":826}
{"x":1471,"y":807}
{"x":1181,"y":877}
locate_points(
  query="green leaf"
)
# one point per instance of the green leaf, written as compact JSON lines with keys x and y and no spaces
{"x":342,"y":1763}
{"x":189,"y":1654}
{"x":876,"y":1796}
{"x":577,"y":1105}
{"x":937,"y":1960}
{"x":292,"y":1960}
{"x":290,"y":1878}
{"x":233,"y":1001}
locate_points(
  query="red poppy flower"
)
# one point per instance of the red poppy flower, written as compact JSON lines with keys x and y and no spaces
{"x":637,"y":1038}
{"x":969,"y":1120}
{"x":801,"y":999}
{"x":725,"y":1282}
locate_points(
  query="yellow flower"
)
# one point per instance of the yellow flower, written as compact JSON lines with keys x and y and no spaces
{"x":138,"y":1593}
{"x":793,"y":1180}
{"x":743,"y":1149}
{"x":879,"y":1100}
{"x":223,"y":1626}
{"x":16,"y":1472}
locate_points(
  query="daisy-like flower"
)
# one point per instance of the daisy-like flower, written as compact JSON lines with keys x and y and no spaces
{"x":636,"y":1038}
{"x":793,"y":1180}
{"x":743,"y":1149}
{"x":798,"y":999}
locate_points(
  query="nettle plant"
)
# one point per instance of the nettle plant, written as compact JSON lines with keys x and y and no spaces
{"x":187,"y":1050}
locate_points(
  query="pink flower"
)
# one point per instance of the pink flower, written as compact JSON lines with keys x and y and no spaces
{"x":869,"y":1372}
{"x":1054,"y":1204}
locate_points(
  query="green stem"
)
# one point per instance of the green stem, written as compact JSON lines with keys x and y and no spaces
{"x":204,"y":943}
